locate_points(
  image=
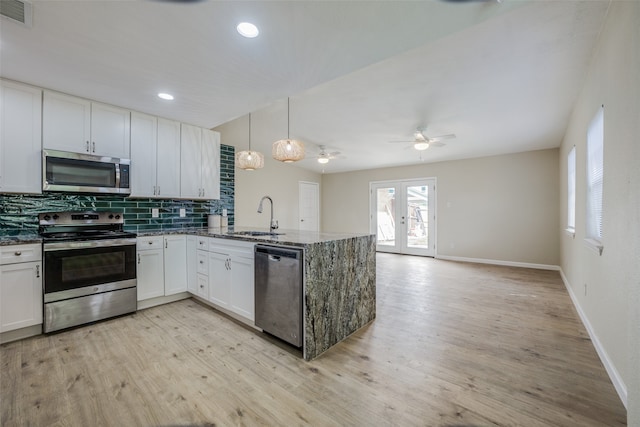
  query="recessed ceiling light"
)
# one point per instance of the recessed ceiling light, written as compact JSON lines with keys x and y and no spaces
{"x":166,"y":96}
{"x":248,"y":30}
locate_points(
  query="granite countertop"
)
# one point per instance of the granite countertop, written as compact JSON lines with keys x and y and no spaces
{"x":20,"y":239}
{"x":287,"y":237}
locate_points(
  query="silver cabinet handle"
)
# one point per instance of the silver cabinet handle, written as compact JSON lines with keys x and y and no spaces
{"x":139,"y":257}
{"x":154,"y":190}
{"x":201,"y":262}
{"x":166,"y":243}
{"x":150,"y":242}
{"x":158,"y":190}
{"x":37,"y":270}
{"x":94,"y":146}
{"x":17,"y":253}
{"x":88,"y":149}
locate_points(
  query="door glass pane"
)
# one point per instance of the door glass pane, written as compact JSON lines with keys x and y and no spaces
{"x":418,"y":216}
{"x":386,"y":204}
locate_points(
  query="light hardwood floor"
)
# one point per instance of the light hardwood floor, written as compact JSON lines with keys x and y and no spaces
{"x":454,"y":344}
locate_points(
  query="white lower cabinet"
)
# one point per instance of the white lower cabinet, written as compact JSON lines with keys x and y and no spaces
{"x":231,"y":276}
{"x":192,"y":272}
{"x":150,"y":274}
{"x":20,"y":286}
{"x":175,"y":264}
{"x":219,"y":279}
{"x":220,"y":271}
{"x":162,"y":266}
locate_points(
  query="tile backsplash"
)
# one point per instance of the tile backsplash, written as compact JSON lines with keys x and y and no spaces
{"x":19,"y":212}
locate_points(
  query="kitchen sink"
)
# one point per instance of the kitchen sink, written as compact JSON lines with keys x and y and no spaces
{"x":255,"y":233}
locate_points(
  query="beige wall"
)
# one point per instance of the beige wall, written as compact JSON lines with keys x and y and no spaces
{"x":611,"y":279}
{"x":501,"y":208}
{"x":277,"y":180}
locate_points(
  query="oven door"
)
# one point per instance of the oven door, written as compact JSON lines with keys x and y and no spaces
{"x":73,"y":269}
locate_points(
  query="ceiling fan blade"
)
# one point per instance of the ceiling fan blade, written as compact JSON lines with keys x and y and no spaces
{"x":401,"y":142}
{"x":442,"y":137}
{"x":436,"y":144}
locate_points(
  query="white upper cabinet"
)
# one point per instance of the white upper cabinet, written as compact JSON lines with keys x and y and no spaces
{"x":81,"y":126}
{"x":20,"y":138}
{"x":210,"y":164}
{"x":190,"y":163}
{"x":155,"y":156}
{"x":144,"y":133}
{"x":168,"y":160}
{"x":110,"y":131}
{"x":199,"y":163}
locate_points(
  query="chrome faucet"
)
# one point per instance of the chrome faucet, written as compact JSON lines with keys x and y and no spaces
{"x":273,"y":224}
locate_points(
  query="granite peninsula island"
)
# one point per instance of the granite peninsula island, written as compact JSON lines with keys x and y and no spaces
{"x":339,"y":280}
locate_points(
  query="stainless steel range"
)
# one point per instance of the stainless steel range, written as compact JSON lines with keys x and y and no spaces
{"x":89,"y":268}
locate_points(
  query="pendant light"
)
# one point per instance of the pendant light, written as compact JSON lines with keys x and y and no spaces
{"x":288,"y":150}
{"x":249,"y":160}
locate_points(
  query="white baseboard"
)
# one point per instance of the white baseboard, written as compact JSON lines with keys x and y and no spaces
{"x":498,"y":262}
{"x":148,"y":303}
{"x":615,"y":377}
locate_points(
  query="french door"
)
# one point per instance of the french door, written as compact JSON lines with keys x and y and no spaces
{"x":403,"y":216}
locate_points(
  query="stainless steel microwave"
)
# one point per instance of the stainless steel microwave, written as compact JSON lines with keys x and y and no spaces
{"x":84,"y":173}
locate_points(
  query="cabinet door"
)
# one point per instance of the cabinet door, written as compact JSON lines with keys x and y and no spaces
{"x":190,"y":162}
{"x":192,"y":264}
{"x":150,"y":274}
{"x":219,"y":279}
{"x":144,"y":131}
{"x":110,"y":131}
{"x":168,"y":159}
{"x":20,"y":138}
{"x":210,"y":164}
{"x":175,"y":264}
{"x":20,"y":295}
{"x":66,"y":123}
{"x":242,"y":289}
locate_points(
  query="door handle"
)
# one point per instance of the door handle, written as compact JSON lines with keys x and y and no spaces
{"x":38,"y":270}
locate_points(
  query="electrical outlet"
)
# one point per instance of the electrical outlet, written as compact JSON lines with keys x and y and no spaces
{"x":155,"y":213}
{"x":183,"y":212}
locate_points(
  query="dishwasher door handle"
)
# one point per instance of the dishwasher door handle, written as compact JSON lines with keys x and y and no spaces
{"x":274,"y":258}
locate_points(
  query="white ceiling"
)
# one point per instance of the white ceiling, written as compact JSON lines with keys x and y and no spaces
{"x":502,"y":76}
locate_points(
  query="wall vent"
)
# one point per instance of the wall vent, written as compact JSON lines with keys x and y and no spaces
{"x":17,"y":10}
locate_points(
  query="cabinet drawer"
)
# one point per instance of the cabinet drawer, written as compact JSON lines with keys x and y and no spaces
{"x":149,"y":242}
{"x":203,"y":286}
{"x":14,"y":254}
{"x":202,"y":258}
{"x":202,"y":243}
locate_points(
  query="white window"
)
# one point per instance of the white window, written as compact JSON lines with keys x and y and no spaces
{"x":595,"y":164}
{"x":571,"y":190}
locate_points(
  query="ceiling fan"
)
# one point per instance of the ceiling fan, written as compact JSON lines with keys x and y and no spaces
{"x":324,"y":156}
{"x":422,"y":142}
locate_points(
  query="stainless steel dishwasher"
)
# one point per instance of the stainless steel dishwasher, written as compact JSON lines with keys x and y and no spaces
{"x":278,"y":292}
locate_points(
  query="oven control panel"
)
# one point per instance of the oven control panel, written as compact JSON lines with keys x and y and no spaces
{"x":80,"y":218}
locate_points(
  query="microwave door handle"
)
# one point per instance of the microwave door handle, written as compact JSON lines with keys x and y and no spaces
{"x":117,"y":175}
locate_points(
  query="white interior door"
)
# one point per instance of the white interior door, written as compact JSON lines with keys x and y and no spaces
{"x":403,"y":216}
{"x":309,"y":206}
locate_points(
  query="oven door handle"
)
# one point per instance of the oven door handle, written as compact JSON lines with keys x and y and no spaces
{"x":60,"y":246}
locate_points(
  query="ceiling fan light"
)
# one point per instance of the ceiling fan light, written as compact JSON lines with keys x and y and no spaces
{"x":323,"y":160}
{"x":249,"y":160}
{"x":288,"y":150}
{"x":421,"y":145}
